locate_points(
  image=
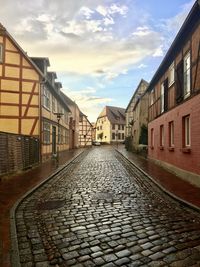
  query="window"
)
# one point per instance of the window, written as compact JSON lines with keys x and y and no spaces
{"x":66,"y":137}
{"x":46,"y":133}
{"x":186,"y":131}
{"x":46,"y":98}
{"x":171,"y":133}
{"x":152,"y":138}
{"x":113,"y":126}
{"x":119,"y":136}
{"x":162,"y":135}
{"x":119,"y":127}
{"x":171,"y":74}
{"x":1,"y":53}
{"x":66,"y":117}
{"x":162,"y":98}
{"x":60,"y":135}
{"x":53,"y":104}
{"x":152,"y":97}
{"x":113,"y":136}
{"x":123,"y":127}
{"x":186,"y":75}
{"x":122,"y":136}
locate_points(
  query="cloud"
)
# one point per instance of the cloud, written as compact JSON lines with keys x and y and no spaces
{"x":88,"y":101}
{"x":142,"y":66}
{"x":80,"y":36}
{"x":170,"y":26}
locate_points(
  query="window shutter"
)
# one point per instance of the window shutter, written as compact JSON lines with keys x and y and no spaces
{"x":179,"y":82}
{"x":166,"y":94}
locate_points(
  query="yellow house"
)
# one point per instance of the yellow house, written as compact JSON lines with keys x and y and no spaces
{"x":85,"y":131}
{"x":110,"y":125}
{"x":19,"y":107}
{"x":54,"y":113}
{"x":19,"y":89}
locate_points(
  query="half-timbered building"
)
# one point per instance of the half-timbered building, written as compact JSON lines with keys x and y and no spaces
{"x":85,"y":131}
{"x":174,"y":103}
{"x":19,"y":106}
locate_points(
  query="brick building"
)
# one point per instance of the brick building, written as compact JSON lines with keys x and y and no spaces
{"x":174,"y":103}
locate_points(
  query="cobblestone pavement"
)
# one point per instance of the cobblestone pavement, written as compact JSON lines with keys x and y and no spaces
{"x":102,"y":212}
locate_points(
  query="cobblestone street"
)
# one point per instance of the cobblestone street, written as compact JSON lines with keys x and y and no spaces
{"x":100,"y":211}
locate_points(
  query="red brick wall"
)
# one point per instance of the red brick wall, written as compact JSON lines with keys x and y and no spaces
{"x":186,"y":161}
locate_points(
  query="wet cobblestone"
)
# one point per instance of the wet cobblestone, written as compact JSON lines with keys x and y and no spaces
{"x":101,"y":211}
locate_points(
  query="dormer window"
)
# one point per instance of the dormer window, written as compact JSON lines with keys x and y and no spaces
{"x":46,"y":98}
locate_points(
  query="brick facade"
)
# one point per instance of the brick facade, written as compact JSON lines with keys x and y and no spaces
{"x":174,"y":104}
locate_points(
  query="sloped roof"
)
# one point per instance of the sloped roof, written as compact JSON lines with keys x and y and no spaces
{"x":142,"y":81}
{"x":6,"y":33}
{"x":67,"y":100}
{"x":115,"y":115}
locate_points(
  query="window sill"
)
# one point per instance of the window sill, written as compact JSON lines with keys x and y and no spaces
{"x":161,"y":147}
{"x":171,"y":148}
{"x":186,"y":150}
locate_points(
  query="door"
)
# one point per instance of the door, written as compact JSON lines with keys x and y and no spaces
{"x":53,"y":140}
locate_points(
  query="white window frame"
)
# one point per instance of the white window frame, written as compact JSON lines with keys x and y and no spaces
{"x":53,"y":104}
{"x":152,"y":97}
{"x":187,"y":75}
{"x":171,"y":134}
{"x":161,"y":135}
{"x":162,"y":99}
{"x":1,"y":53}
{"x":187,"y":132}
{"x":171,"y":74}
{"x":46,"y":98}
{"x":46,"y":132}
{"x":66,"y":117}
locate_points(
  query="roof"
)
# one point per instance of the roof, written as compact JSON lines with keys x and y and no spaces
{"x":188,"y":26}
{"x":67,"y":100}
{"x":115,"y":115}
{"x":5,"y":32}
{"x":142,"y":81}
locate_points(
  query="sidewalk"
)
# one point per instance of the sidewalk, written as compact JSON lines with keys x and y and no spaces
{"x":170,"y":183}
{"x":15,"y":187}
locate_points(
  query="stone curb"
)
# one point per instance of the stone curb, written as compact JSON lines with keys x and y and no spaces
{"x":14,"y":252}
{"x":188,"y":204}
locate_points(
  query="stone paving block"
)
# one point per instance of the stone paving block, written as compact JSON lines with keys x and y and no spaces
{"x":110,"y":257}
{"x":123,"y":253}
{"x":111,"y":215}
{"x":70,"y":255}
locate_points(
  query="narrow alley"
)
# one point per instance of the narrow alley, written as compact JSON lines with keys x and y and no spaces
{"x":101,"y":211}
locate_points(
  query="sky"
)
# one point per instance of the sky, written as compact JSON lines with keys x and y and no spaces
{"x":100,"y":49}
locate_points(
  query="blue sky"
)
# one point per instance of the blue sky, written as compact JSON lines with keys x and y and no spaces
{"x":100,"y":49}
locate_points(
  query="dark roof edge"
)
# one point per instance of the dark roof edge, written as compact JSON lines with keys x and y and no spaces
{"x":158,"y":73}
{"x":141,"y":81}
